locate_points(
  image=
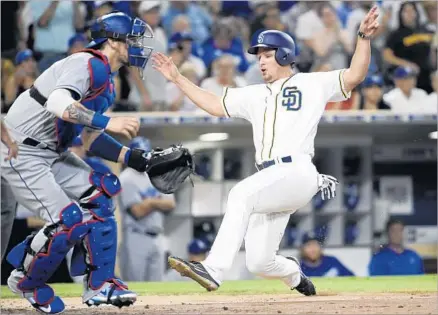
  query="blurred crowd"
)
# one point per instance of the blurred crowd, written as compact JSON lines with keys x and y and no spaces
{"x":208,"y":42}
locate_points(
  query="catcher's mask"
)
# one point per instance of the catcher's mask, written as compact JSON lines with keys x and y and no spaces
{"x":134,"y":32}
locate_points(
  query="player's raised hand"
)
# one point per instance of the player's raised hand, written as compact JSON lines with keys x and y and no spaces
{"x":165,"y":65}
{"x":127,"y":126}
{"x":369,"y":25}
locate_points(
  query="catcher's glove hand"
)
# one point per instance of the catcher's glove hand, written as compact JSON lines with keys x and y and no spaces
{"x":167,"y":169}
{"x":327,"y":186}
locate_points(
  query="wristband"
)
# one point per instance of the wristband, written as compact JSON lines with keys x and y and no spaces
{"x":362,"y":35}
{"x":106,"y":147}
{"x":100,"y":121}
{"x":127,"y":156}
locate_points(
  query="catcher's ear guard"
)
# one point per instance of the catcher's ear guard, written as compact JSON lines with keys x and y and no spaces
{"x":168,"y":169}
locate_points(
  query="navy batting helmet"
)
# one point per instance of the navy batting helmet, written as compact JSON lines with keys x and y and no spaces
{"x":280,"y":41}
{"x":120,"y":26}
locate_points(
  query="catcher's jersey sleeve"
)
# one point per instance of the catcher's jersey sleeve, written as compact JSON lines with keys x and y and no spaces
{"x":74,"y":74}
{"x":237,"y":101}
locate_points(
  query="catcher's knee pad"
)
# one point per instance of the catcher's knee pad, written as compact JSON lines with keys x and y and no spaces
{"x":99,"y":201}
{"x":39,"y":255}
{"x":97,"y":256}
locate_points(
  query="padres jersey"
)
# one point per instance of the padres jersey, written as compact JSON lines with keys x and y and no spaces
{"x":28,"y":117}
{"x":285,"y":114}
{"x":136,"y":188}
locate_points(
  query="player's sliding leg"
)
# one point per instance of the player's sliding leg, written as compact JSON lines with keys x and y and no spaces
{"x":262,"y":241}
{"x":277,"y":188}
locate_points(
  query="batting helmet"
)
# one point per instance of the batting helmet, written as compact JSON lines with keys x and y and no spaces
{"x":140,"y":143}
{"x":280,"y":41}
{"x":121,"y":27}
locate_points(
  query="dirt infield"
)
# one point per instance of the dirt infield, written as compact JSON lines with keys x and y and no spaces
{"x":389,"y":303}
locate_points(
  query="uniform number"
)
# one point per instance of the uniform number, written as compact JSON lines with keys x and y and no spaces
{"x":291,"y":98}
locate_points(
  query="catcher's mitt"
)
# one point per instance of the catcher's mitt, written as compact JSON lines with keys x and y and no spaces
{"x":167,"y":169}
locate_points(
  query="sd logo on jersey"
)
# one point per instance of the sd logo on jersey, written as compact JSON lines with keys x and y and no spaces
{"x":291,"y":98}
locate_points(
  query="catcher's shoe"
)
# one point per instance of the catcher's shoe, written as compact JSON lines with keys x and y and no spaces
{"x":112,"y":294}
{"x":52,"y":306}
{"x":195,"y":271}
{"x":305,"y":286}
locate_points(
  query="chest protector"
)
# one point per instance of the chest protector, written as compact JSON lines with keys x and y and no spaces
{"x":99,"y":98}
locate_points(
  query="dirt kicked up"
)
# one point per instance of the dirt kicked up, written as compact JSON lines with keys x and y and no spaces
{"x":354,"y":303}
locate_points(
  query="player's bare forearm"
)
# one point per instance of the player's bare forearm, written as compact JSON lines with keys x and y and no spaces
{"x":76,"y":113}
{"x":360,"y":62}
{"x":142,"y":209}
{"x":163,"y":204}
{"x":207,"y":101}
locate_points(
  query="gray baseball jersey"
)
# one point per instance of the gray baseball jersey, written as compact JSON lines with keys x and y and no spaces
{"x":148,"y":263}
{"x":28,"y":117}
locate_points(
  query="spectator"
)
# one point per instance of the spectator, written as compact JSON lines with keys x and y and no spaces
{"x":197,"y":249}
{"x":150,"y":93}
{"x":372,"y":94}
{"x":77,"y":43}
{"x":393,"y":9}
{"x":223,"y":40}
{"x":14,"y":38}
{"x":224,"y":75}
{"x":410,"y":44}
{"x":101,"y":8}
{"x":394,"y":259}
{"x":54,"y":23}
{"x":7,"y":72}
{"x":331,"y":44}
{"x":315,"y":264}
{"x":181,"y":24}
{"x":431,"y":103}
{"x":405,"y":96}
{"x":308,"y":25}
{"x":24,"y":76}
{"x":181,"y":49}
{"x":200,"y":20}
{"x":176,"y":99}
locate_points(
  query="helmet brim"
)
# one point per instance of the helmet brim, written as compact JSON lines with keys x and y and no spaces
{"x":96,"y":42}
{"x":253,"y":49}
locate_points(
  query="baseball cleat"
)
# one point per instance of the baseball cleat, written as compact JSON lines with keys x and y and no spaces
{"x":113,"y":295}
{"x":195,"y":271}
{"x":305,"y":286}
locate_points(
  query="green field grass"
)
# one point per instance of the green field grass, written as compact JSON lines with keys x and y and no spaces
{"x":411,"y":284}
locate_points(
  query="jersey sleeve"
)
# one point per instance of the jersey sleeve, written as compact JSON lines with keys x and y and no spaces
{"x":74,"y":75}
{"x":377,"y":266}
{"x":333,"y":85}
{"x":129,"y":195}
{"x":235,"y":102}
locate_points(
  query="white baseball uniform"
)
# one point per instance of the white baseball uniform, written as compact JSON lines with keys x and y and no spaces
{"x":284,"y":117}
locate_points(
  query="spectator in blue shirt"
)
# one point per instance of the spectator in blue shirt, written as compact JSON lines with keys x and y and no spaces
{"x":315,"y":264}
{"x":394,"y":259}
{"x":224,"y":41}
{"x":200,"y":19}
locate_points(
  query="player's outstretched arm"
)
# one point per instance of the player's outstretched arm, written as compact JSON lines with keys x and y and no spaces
{"x":360,"y":62}
{"x":61,"y":103}
{"x":204,"y":99}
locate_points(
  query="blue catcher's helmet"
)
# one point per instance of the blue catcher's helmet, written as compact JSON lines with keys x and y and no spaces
{"x":121,"y":27}
{"x":280,"y":41}
{"x":140,"y":143}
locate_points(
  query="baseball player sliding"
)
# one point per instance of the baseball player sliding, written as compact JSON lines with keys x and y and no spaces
{"x":66,"y":100}
{"x":284,"y":114}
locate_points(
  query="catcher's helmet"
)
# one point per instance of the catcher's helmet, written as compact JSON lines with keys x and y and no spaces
{"x":140,"y":143}
{"x":280,"y":41}
{"x":120,"y":26}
